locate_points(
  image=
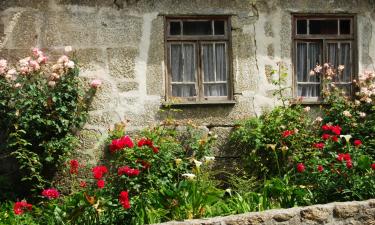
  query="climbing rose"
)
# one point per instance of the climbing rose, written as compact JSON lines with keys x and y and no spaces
{"x":357,"y":143}
{"x":50,"y":193}
{"x":349,"y":164}
{"x":120,"y":143}
{"x":19,"y":207}
{"x":124,"y":199}
{"x":334,"y":138}
{"x":300,"y":167}
{"x":326,"y":127}
{"x":99,"y":171}
{"x":320,"y":168}
{"x":287,"y":133}
{"x":100,"y":183}
{"x":373,"y":166}
{"x":342,"y":156}
{"x":128,"y":171}
{"x":74,"y":166}
{"x":145,"y":141}
{"x":319,"y":145}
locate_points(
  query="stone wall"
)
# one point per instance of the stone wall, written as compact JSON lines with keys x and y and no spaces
{"x":121,"y":42}
{"x":337,"y":213}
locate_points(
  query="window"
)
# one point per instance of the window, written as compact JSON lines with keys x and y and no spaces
{"x":198,"y":53}
{"x":319,"y":40}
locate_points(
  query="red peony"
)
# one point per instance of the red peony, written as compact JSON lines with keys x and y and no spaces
{"x":50,"y":193}
{"x":326,"y":127}
{"x":320,"y":168}
{"x":287,"y":133}
{"x":19,"y":207}
{"x":120,"y":143}
{"x":128,"y":171}
{"x":319,"y":145}
{"x":334,"y":138}
{"x":100,"y":183}
{"x":124,"y":199}
{"x":357,"y":143}
{"x":74,"y":166}
{"x":373,"y":166}
{"x":336,"y":130}
{"x":300,"y":167}
{"x":325,"y":136}
{"x":99,"y":171}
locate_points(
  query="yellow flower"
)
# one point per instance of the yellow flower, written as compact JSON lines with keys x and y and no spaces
{"x":272,"y":146}
{"x":178,"y":161}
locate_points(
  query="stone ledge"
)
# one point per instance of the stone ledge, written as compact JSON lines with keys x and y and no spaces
{"x":356,"y":212}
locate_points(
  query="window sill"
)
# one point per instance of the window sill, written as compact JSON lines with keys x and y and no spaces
{"x":226,"y":102}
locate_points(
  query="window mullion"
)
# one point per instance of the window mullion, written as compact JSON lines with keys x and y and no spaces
{"x":199,"y":73}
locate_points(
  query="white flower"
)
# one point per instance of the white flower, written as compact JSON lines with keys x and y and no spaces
{"x":362,"y":114}
{"x":63,"y":59}
{"x":356,"y":102}
{"x":197,"y":163}
{"x":347,"y":113}
{"x":306,"y":109}
{"x":311,"y":73}
{"x":208,"y":159}
{"x":69,"y":64}
{"x":347,"y":137}
{"x":341,"y":67}
{"x":229,"y":191}
{"x":318,"y":119}
{"x":68,"y":49}
{"x":17,"y":85}
{"x":51,"y":83}
{"x":188,"y":176}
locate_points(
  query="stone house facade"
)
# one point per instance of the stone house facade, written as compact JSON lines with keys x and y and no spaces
{"x":211,"y":58}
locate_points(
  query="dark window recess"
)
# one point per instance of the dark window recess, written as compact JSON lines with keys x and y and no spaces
{"x":323,"y":26}
{"x":219,"y":27}
{"x":175,"y":28}
{"x":301,"y":26}
{"x":197,"y":28}
{"x":345,"y":27}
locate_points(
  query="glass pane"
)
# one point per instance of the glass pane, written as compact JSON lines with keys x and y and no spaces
{"x":308,"y":90}
{"x":301,"y":66}
{"x":175,"y":28}
{"x":183,"y":90}
{"x":176,"y":63}
{"x":219,"y":27}
{"x":189,"y":63}
{"x":314,"y":58}
{"x":197,"y":28}
{"x":301,"y":27}
{"x":345,"y":59}
{"x":345,"y":27}
{"x":215,"y":90}
{"x":208,"y":62}
{"x":221,"y":62}
{"x":323,"y":27}
{"x":332,"y":54}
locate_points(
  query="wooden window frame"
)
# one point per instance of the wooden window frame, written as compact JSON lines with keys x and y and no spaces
{"x":198,"y":41}
{"x":324,"y":39}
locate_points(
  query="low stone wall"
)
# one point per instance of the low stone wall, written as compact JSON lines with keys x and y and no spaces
{"x":336,"y":213}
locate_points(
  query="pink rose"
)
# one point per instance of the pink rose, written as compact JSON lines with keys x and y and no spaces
{"x":96,"y":83}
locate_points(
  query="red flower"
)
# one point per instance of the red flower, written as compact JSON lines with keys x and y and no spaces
{"x":100,"y":183}
{"x":19,"y":207}
{"x":336,"y":130}
{"x":357,"y":143}
{"x":340,"y":157}
{"x":349,"y":164}
{"x":145,"y":141}
{"x":145,"y":164}
{"x":373,"y":166}
{"x":124,"y":199}
{"x":128,"y":171}
{"x":325,"y":136}
{"x":155,"y":149}
{"x":320,"y":168}
{"x":287,"y":133}
{"x":120,"y":143}
{"x":326,"y":127}
{"x":334,"y":138}
{"x":50,"y":193}
{"x":99,"y":171}
{"x":343,"y":156}
{"x":82,"y":184}
{"x":74,"y":166}
{"x":319,"y":145}
{"x":300,"y":167}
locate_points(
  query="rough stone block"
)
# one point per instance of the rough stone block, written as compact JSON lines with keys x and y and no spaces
{"x":345,"y":211}
{"x":122,"y":62}
{"x":90,"y":58}
{"x":282,"y":217}
{"x":24,"y":34}
{"x":315,"y":214}
{"x":104,"y":97}
{"x":125,"y":86}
